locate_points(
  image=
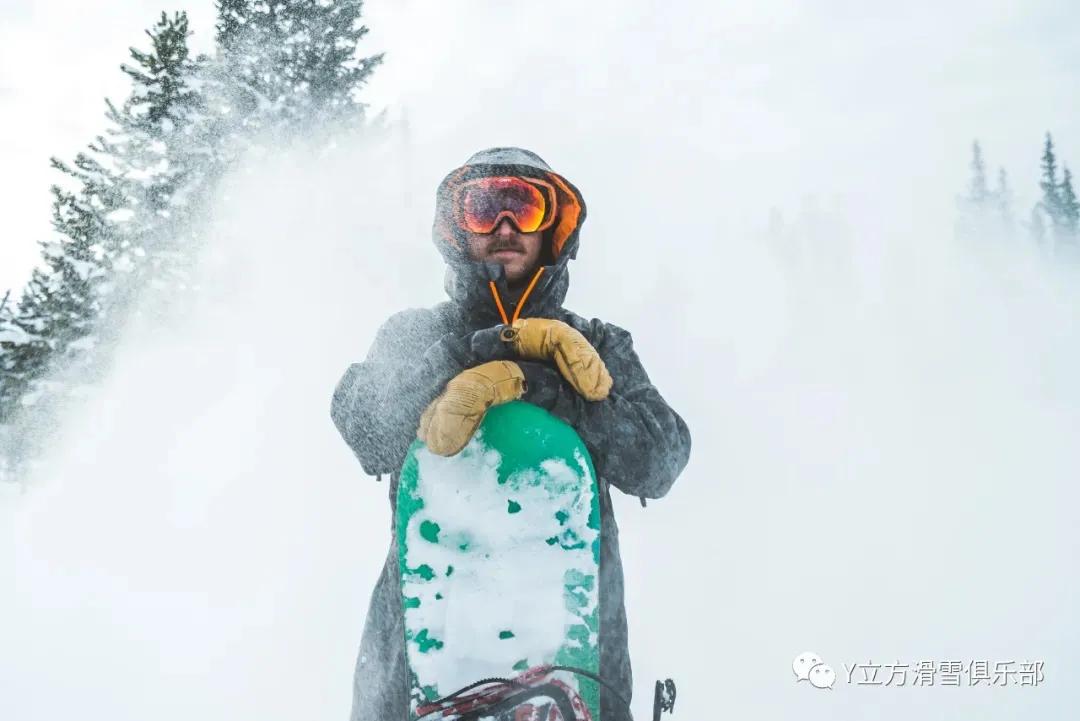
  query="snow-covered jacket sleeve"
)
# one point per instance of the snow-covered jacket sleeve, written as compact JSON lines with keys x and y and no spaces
{"x":637,"y":442}
{"x":377,"y":403}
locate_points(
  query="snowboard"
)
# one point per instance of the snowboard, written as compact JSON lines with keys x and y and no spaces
{"x":499,"y":553}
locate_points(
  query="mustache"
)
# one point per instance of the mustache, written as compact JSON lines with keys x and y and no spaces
{"x":496,"y":247}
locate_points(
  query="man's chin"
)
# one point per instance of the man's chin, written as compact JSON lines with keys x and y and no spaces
{"x":513,"y":269}
{"x":507,"y":257}
{"x":516,"y":276}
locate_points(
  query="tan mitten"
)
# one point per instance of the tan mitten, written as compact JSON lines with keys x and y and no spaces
{"x":450,"y":420}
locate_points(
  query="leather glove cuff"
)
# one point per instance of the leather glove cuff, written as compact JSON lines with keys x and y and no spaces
{"x":503,"y":379}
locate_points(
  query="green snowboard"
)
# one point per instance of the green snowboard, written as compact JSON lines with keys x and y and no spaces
{"x":499,"y":552}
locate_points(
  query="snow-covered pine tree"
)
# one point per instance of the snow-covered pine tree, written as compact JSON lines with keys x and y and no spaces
{"x":1050,"y":203}
{"x":1070,"y":208}
{"x":232,"y":17}
{"x":289,"y":68}
{"x":978,"y":188}
{"x":1003,"y":202}
{"x":1036,"y":226}
{"x":54,"y":323}
{"x":112,"y":227}
{"x":4,"y":313}
{"x":163,"y":145}
{"x":977,"y":217}
{"x":11,"y":337}
{"x":283,"y":68}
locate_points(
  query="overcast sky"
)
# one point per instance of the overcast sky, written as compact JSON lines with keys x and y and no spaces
{"x":822,"y":92}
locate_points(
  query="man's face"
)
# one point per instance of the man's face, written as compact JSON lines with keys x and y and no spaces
{"x":517,"y":252}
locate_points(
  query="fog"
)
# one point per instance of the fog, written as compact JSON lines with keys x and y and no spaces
{"x":883,"y":419}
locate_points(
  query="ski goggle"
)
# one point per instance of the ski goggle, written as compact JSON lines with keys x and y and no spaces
{"x":528,"y":202}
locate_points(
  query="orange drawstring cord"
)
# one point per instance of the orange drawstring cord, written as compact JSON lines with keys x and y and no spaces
{"x":521,"y":303}
{"x":498,"y":303}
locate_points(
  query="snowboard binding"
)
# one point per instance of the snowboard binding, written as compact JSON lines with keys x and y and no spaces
{"x":535,"y":695}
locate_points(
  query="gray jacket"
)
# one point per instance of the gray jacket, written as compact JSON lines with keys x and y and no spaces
{"x":637,"y":442}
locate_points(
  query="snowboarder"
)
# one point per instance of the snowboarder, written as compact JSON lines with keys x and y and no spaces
{"x":507,"y":226}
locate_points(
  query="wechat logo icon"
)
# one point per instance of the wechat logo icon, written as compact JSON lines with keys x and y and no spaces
{"x":808,"y":666}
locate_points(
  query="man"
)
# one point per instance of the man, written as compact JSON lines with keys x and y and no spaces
{"x":507,"y":226}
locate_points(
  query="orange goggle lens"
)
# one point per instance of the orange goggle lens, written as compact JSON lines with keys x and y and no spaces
{"x":529,"y":204}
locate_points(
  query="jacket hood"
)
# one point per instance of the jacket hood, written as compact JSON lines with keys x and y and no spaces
{"x":467,"y":280}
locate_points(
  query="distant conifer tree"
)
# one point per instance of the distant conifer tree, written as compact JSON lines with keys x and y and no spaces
{"x":1070,"y":207}
{"x":1003,"y":201}
{"x":1051,"y":189}
{"x":978,"y":188}
{"x":978,"y":212}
